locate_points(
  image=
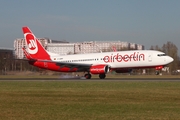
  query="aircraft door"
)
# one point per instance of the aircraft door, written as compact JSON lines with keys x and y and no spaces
{"x":150,"y":57}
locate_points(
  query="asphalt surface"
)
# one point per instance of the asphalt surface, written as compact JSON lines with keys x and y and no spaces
{"x":93,"y":79}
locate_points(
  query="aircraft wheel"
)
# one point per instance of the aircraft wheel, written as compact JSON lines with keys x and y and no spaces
{"x":87,"y":76}
{"x":157,"y":72}
{"x":102,"y":76}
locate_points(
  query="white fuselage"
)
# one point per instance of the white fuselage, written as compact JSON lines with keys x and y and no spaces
{"x":120,"y":59}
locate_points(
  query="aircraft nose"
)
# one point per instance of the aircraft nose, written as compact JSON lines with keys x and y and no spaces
{"x":170,"y":59}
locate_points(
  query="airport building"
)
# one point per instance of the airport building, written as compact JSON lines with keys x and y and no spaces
{"x":63,"y":47}
{"x":46,"y":43}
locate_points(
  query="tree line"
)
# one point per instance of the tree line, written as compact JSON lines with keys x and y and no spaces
{"x":170,"y":49}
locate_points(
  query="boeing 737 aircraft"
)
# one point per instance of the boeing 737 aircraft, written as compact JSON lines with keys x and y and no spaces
{"x":93,"y":63}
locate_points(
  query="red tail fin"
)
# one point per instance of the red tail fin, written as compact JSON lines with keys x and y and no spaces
{"x":33,"y":46}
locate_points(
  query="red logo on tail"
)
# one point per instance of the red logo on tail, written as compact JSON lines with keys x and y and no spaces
{"x":31,"y":43}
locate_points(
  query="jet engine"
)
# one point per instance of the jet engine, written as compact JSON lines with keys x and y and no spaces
{"x":99,"y":69}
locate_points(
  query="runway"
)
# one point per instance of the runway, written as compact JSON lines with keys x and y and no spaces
{"x":93,"y":79}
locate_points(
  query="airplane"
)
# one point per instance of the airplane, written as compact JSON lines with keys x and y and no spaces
{"x":91,"y":63}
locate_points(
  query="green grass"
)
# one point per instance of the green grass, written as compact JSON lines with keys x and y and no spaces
{"x":89,"y":100}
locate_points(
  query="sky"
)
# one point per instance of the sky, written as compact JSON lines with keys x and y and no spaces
{"x":145,"y":22}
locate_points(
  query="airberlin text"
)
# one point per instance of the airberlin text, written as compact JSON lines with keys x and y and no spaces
{"x":136,"y":56}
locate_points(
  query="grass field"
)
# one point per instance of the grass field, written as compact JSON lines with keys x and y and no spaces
{"x":89,"y":100}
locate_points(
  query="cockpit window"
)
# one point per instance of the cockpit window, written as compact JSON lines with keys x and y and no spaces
{"x":161,"y":55}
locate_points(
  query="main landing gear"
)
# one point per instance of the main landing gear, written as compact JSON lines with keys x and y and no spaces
{"x":102,"y":76}
{"x":88,"y":76}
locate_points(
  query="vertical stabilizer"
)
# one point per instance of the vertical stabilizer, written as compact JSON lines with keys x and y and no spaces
{"x":33,"y":46}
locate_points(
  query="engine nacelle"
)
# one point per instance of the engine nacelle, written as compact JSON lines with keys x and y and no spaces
{"x":123,"y":70}
{"x":99,"y":69}
{"x":159,"y":67}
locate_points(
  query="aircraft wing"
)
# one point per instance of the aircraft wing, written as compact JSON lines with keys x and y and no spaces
{"x":65,"y":64}
{"x":80,"y":66}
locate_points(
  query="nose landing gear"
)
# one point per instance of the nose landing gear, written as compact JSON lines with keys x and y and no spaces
{"x":157,"y":72}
